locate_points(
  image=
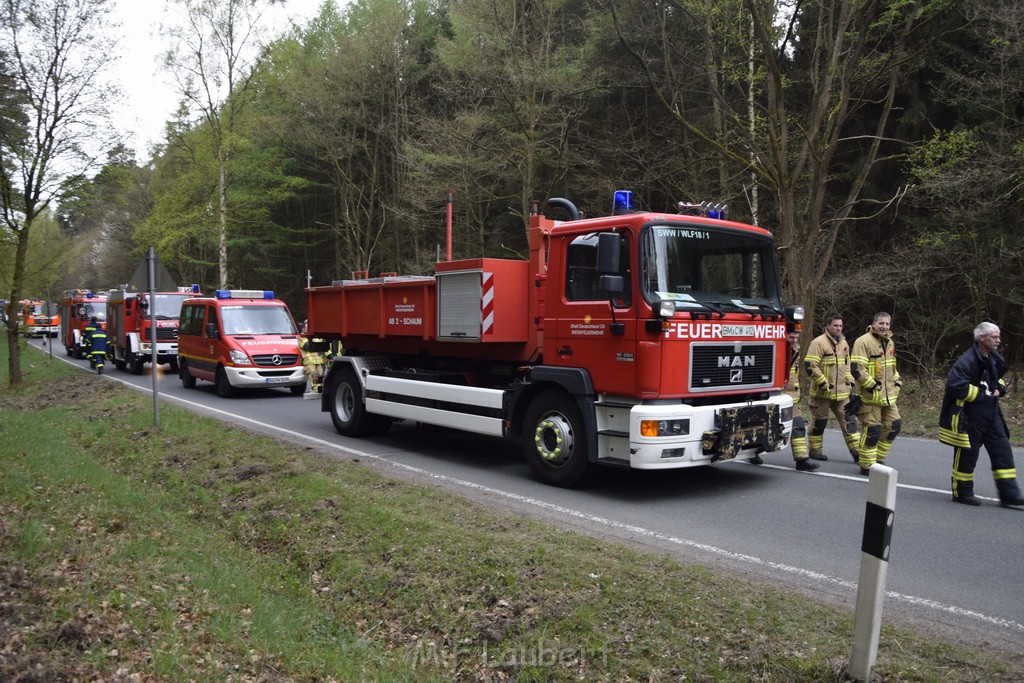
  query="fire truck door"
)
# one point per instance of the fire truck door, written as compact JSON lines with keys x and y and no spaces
{"x":590,"y":332}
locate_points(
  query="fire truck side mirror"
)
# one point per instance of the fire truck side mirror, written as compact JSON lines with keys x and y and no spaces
{"x":211,"y":331}
{"x":608,"y":246}
{"x":612,"y":284}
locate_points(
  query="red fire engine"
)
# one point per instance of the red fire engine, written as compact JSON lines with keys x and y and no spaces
{"x":77,"y":306}
{"x":40,"y":318}
{"x":640,"y":339}
{"x":129,"y":331}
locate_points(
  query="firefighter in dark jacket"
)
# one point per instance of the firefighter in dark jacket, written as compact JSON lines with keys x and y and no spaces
{"x":98,"y":349}
{"x":87,"y":331}
{"x":971,"y":418}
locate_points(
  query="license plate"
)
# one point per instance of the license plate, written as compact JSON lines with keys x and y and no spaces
{"x":277,"y":380}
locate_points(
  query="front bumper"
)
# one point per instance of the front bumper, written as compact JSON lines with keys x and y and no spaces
{"x":716,"y":433}
{"x":251,"y":377}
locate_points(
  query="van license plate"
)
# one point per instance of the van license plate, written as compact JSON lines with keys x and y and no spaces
{"x":277,"y":380}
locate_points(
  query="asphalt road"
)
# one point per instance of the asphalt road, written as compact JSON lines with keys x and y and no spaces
{"x":952,"y":567}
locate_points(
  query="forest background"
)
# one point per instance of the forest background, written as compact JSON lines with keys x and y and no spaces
{"x":880,"y":141}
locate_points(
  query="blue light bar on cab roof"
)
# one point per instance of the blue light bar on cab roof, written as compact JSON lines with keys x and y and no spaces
{"x":622,"y":201}
{"x":244,"y":294}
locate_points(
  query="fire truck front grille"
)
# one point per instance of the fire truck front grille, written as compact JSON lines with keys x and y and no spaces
{"x":714,"y":367}
{"x":164,"y":334}
{"x":267,"y":360}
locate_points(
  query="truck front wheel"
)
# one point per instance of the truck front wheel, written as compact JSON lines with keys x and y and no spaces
{"x":348,"y":412}
{"x":554,"y":440}
{"x":136,"y":363}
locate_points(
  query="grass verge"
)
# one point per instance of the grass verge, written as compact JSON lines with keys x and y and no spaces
{"x":203,"y":552}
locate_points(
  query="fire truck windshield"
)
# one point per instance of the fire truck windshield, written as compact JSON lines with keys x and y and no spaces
{"x":700,"y":265}
{"x":99,"y":311}
{"x":257,"y":320}
{"x":168,"y":306}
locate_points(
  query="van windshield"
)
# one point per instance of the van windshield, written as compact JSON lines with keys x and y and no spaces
{"x":257,"y":320}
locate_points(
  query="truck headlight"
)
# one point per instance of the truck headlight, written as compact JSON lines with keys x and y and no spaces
{"x":664,"y":427}
{"x":787,"y":414}
{"x":239,"y":358}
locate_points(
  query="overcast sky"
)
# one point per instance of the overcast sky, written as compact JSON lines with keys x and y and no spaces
{"x":149,"y":97}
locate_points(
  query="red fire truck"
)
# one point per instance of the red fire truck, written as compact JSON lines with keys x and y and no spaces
{"x":640,"y":339}
{"x":129,"y":331}
{"x":40,"y":318}
{"x":77,"y":306}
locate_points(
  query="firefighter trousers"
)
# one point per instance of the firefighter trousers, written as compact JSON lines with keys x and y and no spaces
{"x":993,"y":438}
{"x":820,"y":409}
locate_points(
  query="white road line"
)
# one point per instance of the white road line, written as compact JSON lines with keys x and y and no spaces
{"x":612,"y":524}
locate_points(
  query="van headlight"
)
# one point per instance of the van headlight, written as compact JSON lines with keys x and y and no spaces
{"x":239,"y":358}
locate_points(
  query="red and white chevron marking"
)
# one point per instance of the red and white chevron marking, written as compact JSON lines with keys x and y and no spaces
{"x":486,"y":303}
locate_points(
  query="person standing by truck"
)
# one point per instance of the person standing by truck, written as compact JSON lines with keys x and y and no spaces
{"x":799,"y":440}
{"x":873,"y":366}
{"x":971,"y":418}
{"x":313,"y":361}
{"x":828,"y":365}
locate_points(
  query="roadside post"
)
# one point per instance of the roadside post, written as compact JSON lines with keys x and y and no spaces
{"x":151,"y":262}
{"x":874,"y":562}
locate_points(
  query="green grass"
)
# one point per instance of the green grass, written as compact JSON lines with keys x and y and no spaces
{"x":203,"y":552}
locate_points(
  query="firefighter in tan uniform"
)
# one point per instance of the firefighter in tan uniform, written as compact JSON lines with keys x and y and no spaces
{"x":792,"y":388}
{"x":313,"y":362}
{"x":873,"y":366}
{"x":827,"y":362}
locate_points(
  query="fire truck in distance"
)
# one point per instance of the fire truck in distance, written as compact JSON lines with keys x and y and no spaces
{"x":640,"y":339}
{"x":129,"y":327}
{"x":40,"y":318}
{"x":77,"y":306}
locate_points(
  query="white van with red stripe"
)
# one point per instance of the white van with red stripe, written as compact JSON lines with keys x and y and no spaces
{"x":239,"y":339}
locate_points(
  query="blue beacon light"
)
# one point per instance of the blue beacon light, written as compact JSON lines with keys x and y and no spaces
{"x":622,"y":201}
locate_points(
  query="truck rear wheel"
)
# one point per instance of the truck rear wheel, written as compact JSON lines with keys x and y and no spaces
{"x":554,"y":440}
{"x":187,"y":380}
{"x":348,"y":412}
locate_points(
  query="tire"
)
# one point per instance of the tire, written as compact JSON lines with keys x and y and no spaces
{"x":555,"y":441}
{"x":119,"y":363}
{"x":70,"y":351}
{"x":345,"y":404}
{"x":298,"y":389}
{"x":172,"y":364}
{"x":222,"y":385}
{"x":135,"y":363}
{"x":187,"y":380}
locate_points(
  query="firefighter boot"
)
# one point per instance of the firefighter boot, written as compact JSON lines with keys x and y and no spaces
{"x":1009,"y":491}
{"x":963,"y":489}
{"x":806,"y":465}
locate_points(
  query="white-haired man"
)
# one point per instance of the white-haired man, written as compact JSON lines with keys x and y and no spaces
{"x":971,"y":418}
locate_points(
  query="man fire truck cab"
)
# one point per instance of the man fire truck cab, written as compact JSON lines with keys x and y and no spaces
{"x":77,"y":306}
{"x":641,"y":339}
{"x":40,"y":318}
{"x":129,"y":333}
{"x":239,"y":338}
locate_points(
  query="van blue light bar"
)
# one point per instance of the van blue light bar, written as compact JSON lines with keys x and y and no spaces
{"x":244,"y":294}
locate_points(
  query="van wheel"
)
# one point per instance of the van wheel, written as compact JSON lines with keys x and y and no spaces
{"x":222,"y":385}
{"x":187,"y":380}
{"x":554,"y":440}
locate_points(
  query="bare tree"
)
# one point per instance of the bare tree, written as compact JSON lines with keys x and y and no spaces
{"x":59,"y":53}
{"x":213,"y":61}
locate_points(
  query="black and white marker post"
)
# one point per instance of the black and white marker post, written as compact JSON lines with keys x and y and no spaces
{"x":874,"y":561}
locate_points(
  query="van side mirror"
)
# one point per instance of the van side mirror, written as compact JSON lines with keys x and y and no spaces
{"x":211,"y":331}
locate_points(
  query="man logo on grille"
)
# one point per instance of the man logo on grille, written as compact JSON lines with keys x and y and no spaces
{"x":736,"y":375}
{"x":275,"y":359}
